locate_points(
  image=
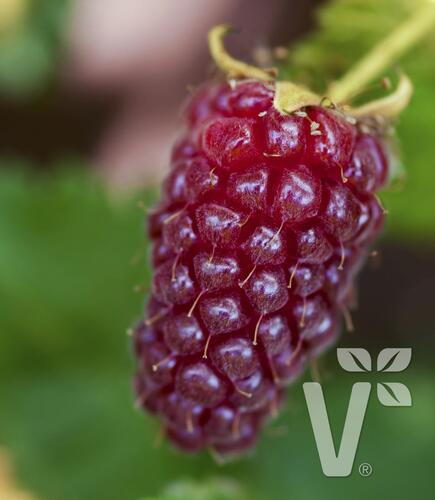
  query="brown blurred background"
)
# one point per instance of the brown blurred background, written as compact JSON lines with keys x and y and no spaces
{"x":124,"y":72}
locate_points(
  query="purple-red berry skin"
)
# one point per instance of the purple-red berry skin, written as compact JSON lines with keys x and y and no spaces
{"x":263,"y":223}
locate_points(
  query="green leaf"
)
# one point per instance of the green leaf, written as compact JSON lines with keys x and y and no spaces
{"x":213,"y":489}
{"x":30,"y":50}
{"x":65,"y":270}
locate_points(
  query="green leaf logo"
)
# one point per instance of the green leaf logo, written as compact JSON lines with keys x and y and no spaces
{"x":354,"y":359}
{"x":394,"y":394}
{"x":393,"y":359}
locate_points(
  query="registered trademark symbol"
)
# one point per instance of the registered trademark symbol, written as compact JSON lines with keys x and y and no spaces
{"x":365,"y":469}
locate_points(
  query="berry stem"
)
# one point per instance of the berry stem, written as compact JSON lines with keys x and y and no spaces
{"x":384,"y":54}
{"x":230,"y":66}
{"x":390,"y":106}
{"x":290,"y":97}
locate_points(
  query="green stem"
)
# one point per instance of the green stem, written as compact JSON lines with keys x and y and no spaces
{"x":384,"y":55}
{"x":230,"y":66}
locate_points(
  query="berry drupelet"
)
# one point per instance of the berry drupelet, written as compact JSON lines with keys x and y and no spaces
{"x":266,"y":216}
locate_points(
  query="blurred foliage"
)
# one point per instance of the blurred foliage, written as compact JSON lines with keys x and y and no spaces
{"x":60,"y":240}
{"x":213,"y":489}
{"x":345,"y":31}
{"x":66,"y":411}
{"x":9,"y":490}
{"x":31,"y":42}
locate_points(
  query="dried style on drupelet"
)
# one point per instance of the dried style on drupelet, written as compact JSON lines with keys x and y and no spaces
{"x":266,"y":217}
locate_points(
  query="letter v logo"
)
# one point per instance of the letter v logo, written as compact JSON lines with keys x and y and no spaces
{"x":337,"y":465}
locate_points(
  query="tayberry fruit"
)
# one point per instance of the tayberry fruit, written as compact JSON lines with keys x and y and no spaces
{"x":265,"y":218}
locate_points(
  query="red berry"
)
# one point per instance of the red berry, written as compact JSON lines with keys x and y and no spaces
{"x":265,"y":220}
{"x":239,"y":441}
{"x":183,"y":334}
{"x":178,"y":233}
{"x":160,"y":252}
{"x":298,"y":196}
{"x":288,"y":365}
{"x":266,"y":246}
{"x":222,"y":422}
{"x":200,"y":178}
{"x":201,"y":105}
{"x":199,"y":383}
{"x":331,"y":142}
{"x":173,"y":285}
{"x":244,"y":100}
{"x":368,"y":169}
{"x":223,"y":313}
{"x":235,"y":357}
{"x":308,"y":314}
{"x":230,"y":142}
{"x":219,"y":225}
{"x":286,"y":136}
{"x":222,"y":271}
{"x":147,"y":394}
{"x":253,"y":393}
{"x":274,"y":334}
{"x":307,"y":278}
{"x":174,"y":185}
{"x":183,"y":148}
{"x":312,"y":244}
{"x":179,"y":413}
{"x":266,"y":290}
{"x":158,"y":364}
{"x":249,"y":187}
{"x":186,"y":440}
{"x":143,"y":336}
{"x":341,"y":212}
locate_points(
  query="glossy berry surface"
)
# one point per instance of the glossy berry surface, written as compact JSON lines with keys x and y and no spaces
{"x":263,"y":224}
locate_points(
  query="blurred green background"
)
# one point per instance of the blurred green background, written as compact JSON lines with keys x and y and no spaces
{"x":72,"y":250}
